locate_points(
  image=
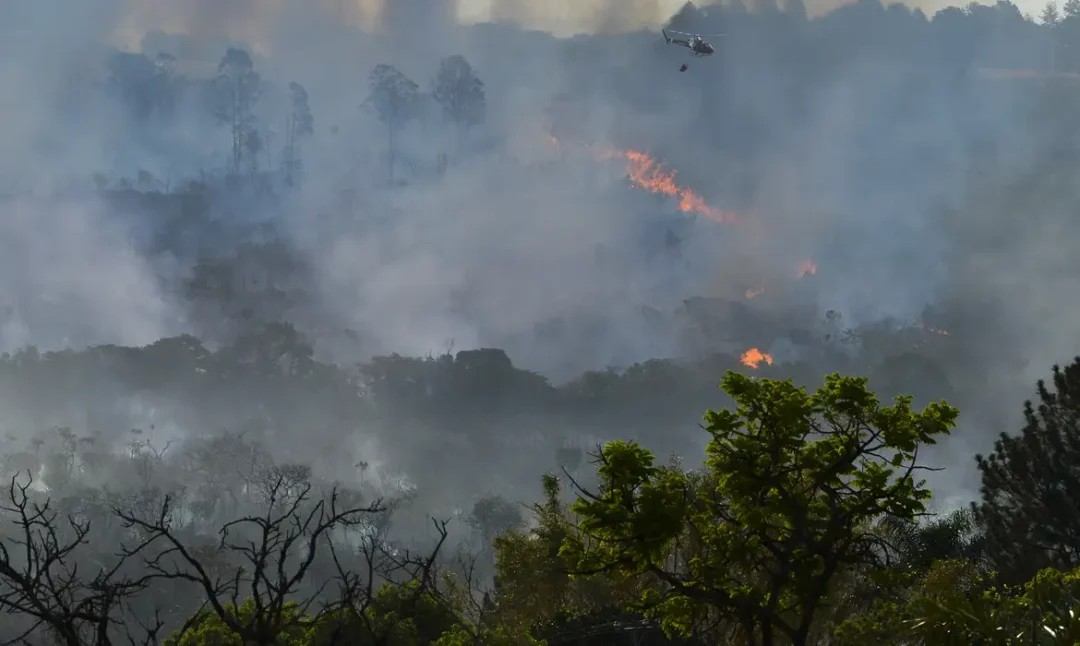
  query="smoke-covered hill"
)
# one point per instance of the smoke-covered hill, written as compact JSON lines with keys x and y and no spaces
{"x":408,"y":184}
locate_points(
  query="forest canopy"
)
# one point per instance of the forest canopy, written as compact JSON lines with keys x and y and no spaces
{"x":807,"y":517}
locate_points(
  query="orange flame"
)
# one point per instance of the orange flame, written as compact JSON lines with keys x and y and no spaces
{"x":753,"y":357}
{"x":751,"y":294}
{"x":808,"y":268}
{"x":645,"y":172}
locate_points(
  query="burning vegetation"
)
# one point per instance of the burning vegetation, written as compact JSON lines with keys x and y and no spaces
{"x":647,"y":173}
{"x":753,"y":358}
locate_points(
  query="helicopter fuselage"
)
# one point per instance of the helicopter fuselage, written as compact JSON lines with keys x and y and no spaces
{"x":698,"y":47}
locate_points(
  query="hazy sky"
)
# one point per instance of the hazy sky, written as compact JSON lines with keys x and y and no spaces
{"x":560,"y":17}
{"x":569,"y":16}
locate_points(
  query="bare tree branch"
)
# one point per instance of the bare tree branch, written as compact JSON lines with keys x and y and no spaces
{"x":40,"y":577}
{"x":384,"y":564}
{"x":275,"y":551}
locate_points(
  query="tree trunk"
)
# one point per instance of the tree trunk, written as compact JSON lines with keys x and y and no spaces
{"x":392,"y":152}
{"x":288,"y":161}
{"x":802,"y":633}
{"x":236,"y":134}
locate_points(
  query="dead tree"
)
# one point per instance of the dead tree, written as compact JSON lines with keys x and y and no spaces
{"x":381,"y":564}
{"x":275,"y":552}
{"x":41,"y":579}
{"x":466,"y":594}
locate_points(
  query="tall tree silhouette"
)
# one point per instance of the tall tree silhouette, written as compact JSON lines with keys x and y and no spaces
{"x":1030,"y":494}
{"x":394,"y":98}
{"x":460,"y":94}
{"x":239,"y":88}
{"x":298,"y":125}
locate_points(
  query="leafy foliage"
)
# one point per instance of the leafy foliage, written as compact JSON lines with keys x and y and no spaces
{"x":792,"y":487}
{"x":1034,"y":476}
{"x":803,"y":524}
{"x":956,"y":603}
{"x":208,"y":629}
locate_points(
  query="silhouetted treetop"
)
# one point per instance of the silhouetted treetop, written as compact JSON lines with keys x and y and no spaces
{"x":1034,"y":476}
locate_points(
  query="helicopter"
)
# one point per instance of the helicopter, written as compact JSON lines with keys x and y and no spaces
{"x":696,"y":43}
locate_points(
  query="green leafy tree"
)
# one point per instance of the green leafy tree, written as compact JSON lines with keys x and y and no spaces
{"x":793,"y":486}
{"x":932,"y":560}
{"x":952,"y":603}
{"x":399,"y":614}
{"x":957,"y":602}
{"x":917,"y":546}
{"x":208,"y":629}
{"x":498,"y":636}
{"x":1032,"y":477}
{"x":534,"y":590}
{"x":533,"y":586}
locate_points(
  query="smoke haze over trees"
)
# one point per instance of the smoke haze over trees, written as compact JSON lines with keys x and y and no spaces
{"x":430,"y":261}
